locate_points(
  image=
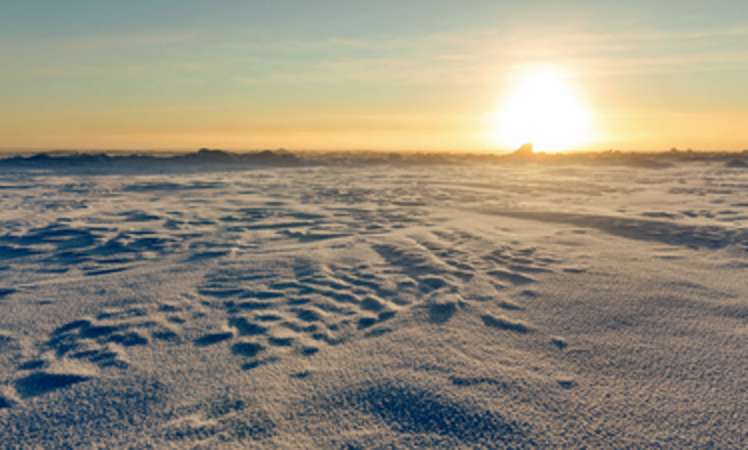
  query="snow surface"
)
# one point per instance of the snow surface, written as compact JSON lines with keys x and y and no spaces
{"x":381,"y":306}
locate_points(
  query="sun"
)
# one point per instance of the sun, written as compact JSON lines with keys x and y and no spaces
{"x":543,"y":107}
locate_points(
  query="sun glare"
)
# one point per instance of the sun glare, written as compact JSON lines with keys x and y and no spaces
{"x":543,"y":108}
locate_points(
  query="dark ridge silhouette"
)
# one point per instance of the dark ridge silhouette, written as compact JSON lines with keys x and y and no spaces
{"x":211,"y":159}
{"x":202,"y":159}
{"x":524,"y":151}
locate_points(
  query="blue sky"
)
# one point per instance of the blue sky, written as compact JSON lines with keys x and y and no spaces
{"x":386,"y":74}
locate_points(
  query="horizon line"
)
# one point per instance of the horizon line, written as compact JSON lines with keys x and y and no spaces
{"x":27,"y":150}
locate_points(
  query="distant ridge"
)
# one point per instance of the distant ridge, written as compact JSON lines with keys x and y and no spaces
{"x":214,"y":159}
{"x":201,"y":159}
{"x":524,"y":151}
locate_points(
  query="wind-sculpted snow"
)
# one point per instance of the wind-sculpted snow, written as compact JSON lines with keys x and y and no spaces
{"x":696,"y":236}
{"x":372,"y":305}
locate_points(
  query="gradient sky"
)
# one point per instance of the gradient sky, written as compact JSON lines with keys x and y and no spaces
{"x":418,"y":74}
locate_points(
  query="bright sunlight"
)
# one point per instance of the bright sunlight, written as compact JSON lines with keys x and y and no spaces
{"x":542,"y":107}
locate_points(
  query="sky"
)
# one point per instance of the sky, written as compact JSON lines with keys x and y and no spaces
{"x":425,"y":75}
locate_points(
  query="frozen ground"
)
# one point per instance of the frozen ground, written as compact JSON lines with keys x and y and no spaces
{"x":375,"y":307}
